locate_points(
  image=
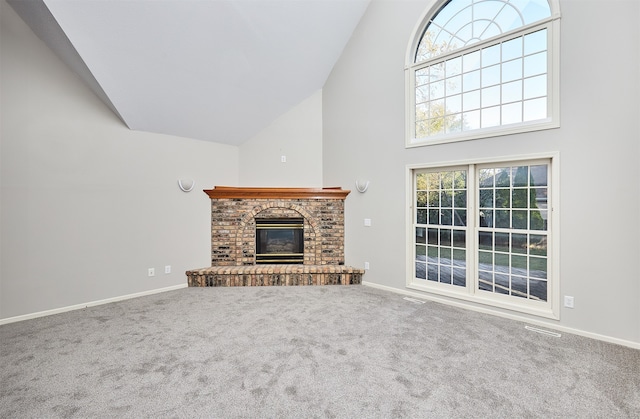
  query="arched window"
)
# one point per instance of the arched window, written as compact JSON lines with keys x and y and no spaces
{"x":480,"y":68}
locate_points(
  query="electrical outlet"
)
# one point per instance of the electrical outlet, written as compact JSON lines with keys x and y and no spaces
{"x":568,"y":301}
{"x":152,"y":272}
{"x":366,"y":265}
{"x":367,"y":222}
{"x":167,"y":269}
{"x":283,"y":159}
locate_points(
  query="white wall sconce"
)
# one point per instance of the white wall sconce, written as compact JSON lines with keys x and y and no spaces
{"x":362,"y":188}
{"x":186,"y":184}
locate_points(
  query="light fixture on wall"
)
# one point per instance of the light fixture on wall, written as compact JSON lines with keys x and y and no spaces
{"x":186,"y":184}
{"x":362,"y":188}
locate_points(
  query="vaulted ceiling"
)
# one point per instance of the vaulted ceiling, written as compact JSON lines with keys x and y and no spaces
{"x":214,"y":70}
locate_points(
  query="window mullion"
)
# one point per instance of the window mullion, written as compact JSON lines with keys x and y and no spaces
{"x":472,"y":234}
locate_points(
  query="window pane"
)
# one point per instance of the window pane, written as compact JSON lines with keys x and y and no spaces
{"x":422,"y":95}
{"x":445,"y":237}
{"x":459,"y":277}
{"x":520,"y":175}
{"x":471,"y":81}
{"x":503,"y":218}
{"x":501,"y":262}
{"x":459,"y":238}
{"x":421,"y":216}
{"x":485,"y":240}
{"x":471,"y":100}
{"x":520,"y":198}
{"x":512,"y":70}
{"x":471,"y":61}
{"x":432,"y":237}
{"x":535,"y":42}
{"x":538,"y":245}
{"x":453,"y":66}
{"x":512,"y":113}
{"x":535,"y":86}
{"x":512,"y":49}
{"x":538,"y":267}
{"x":518,"y":265}
{"x":490,"y":76}
{"x":539,"y":175}
{"x":460,"y":199}
{"x":486,"y":218}
{"x":535,"y":109}
{"x":433,"y":199}
{"x":490,"y":117}
{"x":502,"y":284}
{"x":519,"y":287}
{"x":519,"y":243}
{"x":453,"y":85}
{"x":509,"y":19}
{"x":502,"y":177}
{"x":503,"y":198}
{"x":538,"y":289}
{"x":436,"y":90}
{"x":512,"y":92}
{"x":486,"y":198}
{"x":538,"y":220}
{"x":471,"y":120}
{"x":421,"y":199}
{"x":535,"y":64}
{"x":491,"y":55}
{"x":421,"y":235}
{"x":421,"y":270}
{"x":519,"y":220}
{"x":460,"y":217}
{"x":422,"y":76}
{"x":485,"y":281}
{"x":446,"y":198}
{"x":445,"y":255}
{"x":502,"y":242}
{"x":486,"y":177}
{"x":434,"y":216}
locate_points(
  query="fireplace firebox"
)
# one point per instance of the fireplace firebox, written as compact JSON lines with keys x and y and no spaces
{"x":279,"y":241}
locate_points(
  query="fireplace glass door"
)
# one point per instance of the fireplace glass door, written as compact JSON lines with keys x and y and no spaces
{"x":279,"y":240}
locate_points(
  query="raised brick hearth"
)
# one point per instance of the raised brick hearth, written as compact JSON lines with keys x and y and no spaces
{"x":233,"y":238}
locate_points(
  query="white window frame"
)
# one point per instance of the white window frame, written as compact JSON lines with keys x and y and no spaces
{"x":548,"y":309}
{"x":552,"y":24}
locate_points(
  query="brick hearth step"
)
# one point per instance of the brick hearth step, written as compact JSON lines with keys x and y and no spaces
{"x":274,"y":275}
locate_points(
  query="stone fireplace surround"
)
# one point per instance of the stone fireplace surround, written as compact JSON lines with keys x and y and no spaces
{"x":233,"y":239}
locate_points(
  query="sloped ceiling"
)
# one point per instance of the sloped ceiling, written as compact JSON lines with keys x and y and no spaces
{"x":214,"y":70}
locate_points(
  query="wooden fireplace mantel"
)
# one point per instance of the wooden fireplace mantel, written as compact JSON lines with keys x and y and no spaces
{"x":231,"y":192}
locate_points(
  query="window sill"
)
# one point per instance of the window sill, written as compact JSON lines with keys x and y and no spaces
{"x":539,"y":125}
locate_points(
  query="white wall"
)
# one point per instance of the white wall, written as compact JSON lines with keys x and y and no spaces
{"x":297,"y":135}
{"x":363,"y":114}
{"x":86,"y":204}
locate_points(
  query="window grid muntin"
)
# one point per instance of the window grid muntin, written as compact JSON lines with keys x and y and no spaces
{"x":438,"y":121}
{"x":500,"y":268}
{"x":470,"y":16}
{"x":440,"y":221}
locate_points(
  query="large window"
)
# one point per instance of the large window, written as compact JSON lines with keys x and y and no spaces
{"x":480,"y":68}
{"x":483,"y":232}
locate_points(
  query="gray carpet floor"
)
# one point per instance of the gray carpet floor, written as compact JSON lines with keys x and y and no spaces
{"x":304,"y":352}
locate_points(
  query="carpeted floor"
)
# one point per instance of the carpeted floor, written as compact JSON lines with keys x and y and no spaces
{"x":304,"y":352}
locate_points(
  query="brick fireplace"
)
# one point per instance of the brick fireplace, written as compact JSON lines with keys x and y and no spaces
{"x":235,"y":212}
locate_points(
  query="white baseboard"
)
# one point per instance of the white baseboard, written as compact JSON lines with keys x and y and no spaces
{"x":511,"y":316}
{"x":89,"y":304}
